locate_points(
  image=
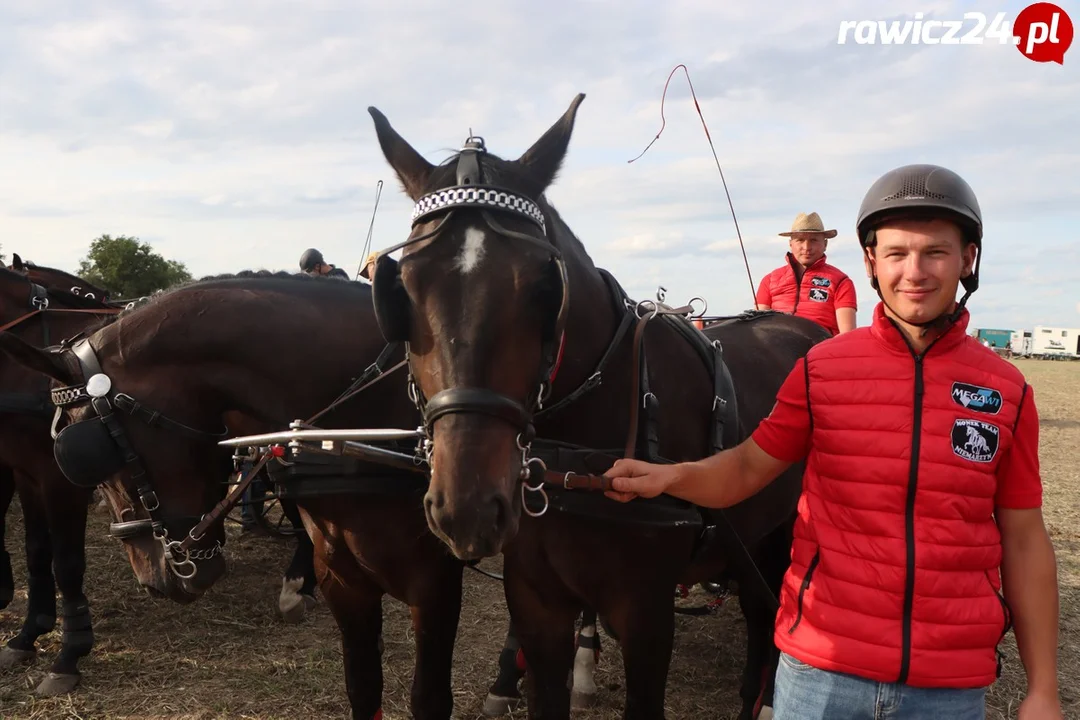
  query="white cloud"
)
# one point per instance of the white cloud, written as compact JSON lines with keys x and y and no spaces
{"x":236,"y":135}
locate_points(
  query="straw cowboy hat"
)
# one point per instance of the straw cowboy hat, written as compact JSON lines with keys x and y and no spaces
{"x":369,"y":265}
{"x":809,"y":224}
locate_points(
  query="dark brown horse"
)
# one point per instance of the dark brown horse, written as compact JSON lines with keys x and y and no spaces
{"x":54,"y":511}
{"x":55,"y":279}
{"x":519,"y":348}
{"x":305,"y":341}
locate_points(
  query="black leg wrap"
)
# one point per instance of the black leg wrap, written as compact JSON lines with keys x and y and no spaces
{"x":591,"y":642}
{"x":506,"y":685}
{"x":78,"y":637}
{"x":40,"y":613}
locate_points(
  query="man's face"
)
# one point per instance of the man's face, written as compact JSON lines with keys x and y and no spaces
{"x":919,"y":265}
{"x":808,"y":248}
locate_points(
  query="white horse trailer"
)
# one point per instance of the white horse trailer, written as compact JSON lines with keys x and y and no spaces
{"x":1020,"y":343}
{"x":1055,"y":342}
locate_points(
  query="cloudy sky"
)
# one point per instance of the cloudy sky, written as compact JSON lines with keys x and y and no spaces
{"x":235,"y":135}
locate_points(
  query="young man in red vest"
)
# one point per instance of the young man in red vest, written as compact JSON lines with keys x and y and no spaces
{"x":920,"y":538}
{"x":806,"y":285}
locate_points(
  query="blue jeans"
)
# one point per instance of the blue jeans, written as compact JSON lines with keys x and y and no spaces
{"x":805,"y":693}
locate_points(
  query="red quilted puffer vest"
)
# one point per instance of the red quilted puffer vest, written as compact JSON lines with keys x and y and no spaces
{"x":894,"y":573}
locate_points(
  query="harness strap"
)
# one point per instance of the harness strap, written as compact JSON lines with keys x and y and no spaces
{"x":227,"y":503}
{"x":153,"y":418}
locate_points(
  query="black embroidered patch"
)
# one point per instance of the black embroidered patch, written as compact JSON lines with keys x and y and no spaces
{"x":975,"y":440}
{"x":819,"y":295}
{"x":821,"y":282}
{"x":978,"y":399}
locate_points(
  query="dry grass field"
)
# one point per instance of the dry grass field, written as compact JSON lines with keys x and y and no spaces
{"x":230,"y":656}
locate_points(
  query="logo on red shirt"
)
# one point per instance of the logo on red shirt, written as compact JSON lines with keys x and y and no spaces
{"x":975,"y":440}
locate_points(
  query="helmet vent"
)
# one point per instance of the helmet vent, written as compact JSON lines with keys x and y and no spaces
{"x":914,"y":186}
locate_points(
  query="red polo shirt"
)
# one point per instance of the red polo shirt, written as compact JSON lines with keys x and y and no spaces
{"x":816,"y":296}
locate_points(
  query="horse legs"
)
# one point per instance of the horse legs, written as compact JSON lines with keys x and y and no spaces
{"x":41,"y":605}
{"x":7,"y":580}
{"x":298,"y":586}
{"x":66,"y":509}
{"x":586,"y":656}
{"x":762,"y":656}
{"x":544,"y":623}
{"x":645,"y":624}
{"x":503,"y":695}
{"x":435,"y":624}
{"x":356,"y":604}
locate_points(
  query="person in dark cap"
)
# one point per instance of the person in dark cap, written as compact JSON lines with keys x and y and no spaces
{"x":312,"y":263}
{"x":920,"y":540}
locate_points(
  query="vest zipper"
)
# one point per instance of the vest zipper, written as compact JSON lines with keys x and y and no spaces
{"x":909,"y":522}
{"x":803,"y":588}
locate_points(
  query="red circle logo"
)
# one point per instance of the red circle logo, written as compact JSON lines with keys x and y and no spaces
{"x":1043,"y":32}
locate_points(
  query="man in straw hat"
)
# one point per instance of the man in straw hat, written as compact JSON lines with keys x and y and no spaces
{"x":806,"y":285}
{"x":919,"y":541}
{"x":368,"y":271}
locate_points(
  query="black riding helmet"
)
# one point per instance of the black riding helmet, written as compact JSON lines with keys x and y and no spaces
{"x":310,"y":259}
{"x":923,"y":191}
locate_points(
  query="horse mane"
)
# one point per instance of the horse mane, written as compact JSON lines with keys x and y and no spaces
{"x":251,"y":279}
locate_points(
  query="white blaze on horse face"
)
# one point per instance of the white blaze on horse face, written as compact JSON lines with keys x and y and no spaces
{"x":472,"y":251}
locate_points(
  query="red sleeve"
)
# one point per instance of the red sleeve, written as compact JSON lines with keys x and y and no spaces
{"x":764,"y":296}
{"x":785,"y":433}
{"x":1019,"y":486}
{"x":845,"y":294}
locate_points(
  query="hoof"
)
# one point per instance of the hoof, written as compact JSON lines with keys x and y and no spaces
{"x":297,"y":610}
{"x":55,"y":684}
{"x":496,"y":706}
{"x":766,"y":713}
{"x":10,"y":657}
{"x":581,"y":701}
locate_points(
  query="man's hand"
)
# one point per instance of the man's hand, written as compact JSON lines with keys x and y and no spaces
{"x":637,"y":478}
{"x":720,"y":481}
{"x":1042,"y":706}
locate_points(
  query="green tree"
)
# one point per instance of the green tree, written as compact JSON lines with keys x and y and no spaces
{"x":128,"y":268}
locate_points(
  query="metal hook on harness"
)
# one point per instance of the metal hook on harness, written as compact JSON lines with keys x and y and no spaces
{"x":169,"y":546}
{"x":538,"y":488}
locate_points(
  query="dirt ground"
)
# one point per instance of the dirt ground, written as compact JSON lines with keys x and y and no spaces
{"x":230,"y":656}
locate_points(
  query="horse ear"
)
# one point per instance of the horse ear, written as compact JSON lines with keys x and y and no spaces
{"x":542,"y":161}
{"x":36,"y":359}
{"x":411,"y":167}
{"x":17,"y":263}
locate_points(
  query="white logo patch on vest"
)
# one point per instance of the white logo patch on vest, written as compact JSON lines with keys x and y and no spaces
{"x":974,"y":397}
{"x":820,"y":282}
{"x":819,"y":295}
{"x":975,"y":440}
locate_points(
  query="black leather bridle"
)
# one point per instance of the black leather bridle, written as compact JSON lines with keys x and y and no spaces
{"x":90,"y":450}
{"x":392,"y":304}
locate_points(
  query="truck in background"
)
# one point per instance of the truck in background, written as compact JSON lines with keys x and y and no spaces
{"x":1055,"y":342}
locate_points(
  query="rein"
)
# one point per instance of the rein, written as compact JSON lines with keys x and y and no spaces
{"x":230,"y":500}
{"x":18,"y":321}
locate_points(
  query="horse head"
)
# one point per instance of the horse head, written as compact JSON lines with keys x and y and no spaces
{"x":480,"y":295}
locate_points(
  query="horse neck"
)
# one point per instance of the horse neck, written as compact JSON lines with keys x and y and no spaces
{"x":246,"y":368}
{"x":592,"y":319}
{"x":60,"y":280}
